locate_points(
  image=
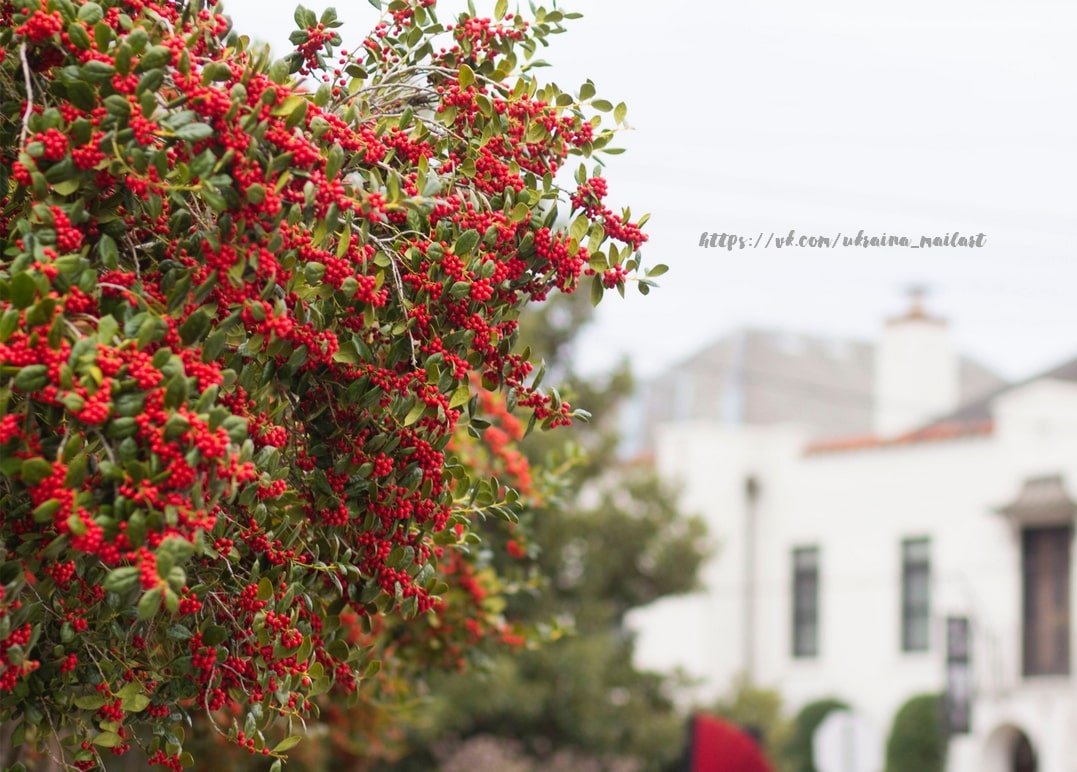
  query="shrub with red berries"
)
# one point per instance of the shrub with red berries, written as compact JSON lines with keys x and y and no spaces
{"x":244,"y":307}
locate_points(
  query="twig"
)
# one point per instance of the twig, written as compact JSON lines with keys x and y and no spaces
{"x":399,"y":284}
{"x":29,"y":94}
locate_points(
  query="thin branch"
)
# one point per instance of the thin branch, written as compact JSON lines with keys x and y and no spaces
{"x":29,"y":94}
{"x":398,"y":282}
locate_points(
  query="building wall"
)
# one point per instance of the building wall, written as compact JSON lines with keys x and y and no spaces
{"x":856,"y":507}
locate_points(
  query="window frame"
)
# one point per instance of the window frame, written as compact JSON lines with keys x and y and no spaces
{"x":915,"y":611}
{"x":805,"y":602}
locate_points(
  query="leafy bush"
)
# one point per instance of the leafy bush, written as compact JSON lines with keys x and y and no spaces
{"x":801,"y":749}
{"x":917,"y":742}
{"x":241,"y":319}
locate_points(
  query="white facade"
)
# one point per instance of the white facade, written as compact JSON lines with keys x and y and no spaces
{"x":765,"y":491}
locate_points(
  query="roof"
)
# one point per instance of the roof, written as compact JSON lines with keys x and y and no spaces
{"x":932,"y":433}
{"x":980,"y":409}
{"x":760,"y":377}
{"x":970,"y":420}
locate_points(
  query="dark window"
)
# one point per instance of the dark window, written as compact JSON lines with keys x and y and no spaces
{"x":1046,"y":603}
{"x":806,"y":602}
{"x":915,"y":594}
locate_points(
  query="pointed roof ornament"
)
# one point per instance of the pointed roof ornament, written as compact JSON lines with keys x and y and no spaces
{"x":917,"y":312}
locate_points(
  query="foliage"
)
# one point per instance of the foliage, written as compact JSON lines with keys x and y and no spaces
{"x":484,"y":752}
{"x":241,"y":320}
{"x":751,"y":706}
{"x":614,"y":540}
{"x":917,"y":742}
{"x":801,"y":749}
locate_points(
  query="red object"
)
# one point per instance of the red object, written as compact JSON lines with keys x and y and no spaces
{"x":719,"y":746}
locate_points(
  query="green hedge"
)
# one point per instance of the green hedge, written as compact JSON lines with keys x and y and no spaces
{"x":917,"y":742}
{"x":810,"y":717}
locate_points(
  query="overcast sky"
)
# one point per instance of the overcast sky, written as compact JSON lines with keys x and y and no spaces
{"x":919,"y":118}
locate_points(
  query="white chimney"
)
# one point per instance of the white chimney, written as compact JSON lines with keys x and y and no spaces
{"x":915,"y":371}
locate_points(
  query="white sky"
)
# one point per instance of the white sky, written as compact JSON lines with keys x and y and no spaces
{"x":923,"y":117}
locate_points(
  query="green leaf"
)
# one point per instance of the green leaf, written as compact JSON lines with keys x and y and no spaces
{"x":265,"y":589}
{"x":500,"y":8}
{"x":195,"y":327}
{"x":214,"y":634}
{"x":135,"y":704}
{"x":602,"y":105}
{"x":77,"y":525}
{"x":150,"y":604}
{"x":46,"y":511}
{"x":107,"y":249}
{"x":596,"y":290}
{"x":90,"y":14}
{"x":216,"y":71}
{"x":289,"y":105}
{"x":287,"y":743}
{"x":415,"y":413}
{"x":335,"y":162}
{"x":96,"y":71}
{"x":587,"y":90}
{"x":34,"y":470}
{"x":78,"y":35}
{"x":32,"y":378}
{"x":304,"y":17}
{"x":658,"y":270}
{"x":467,"y":76}
{"x":579,"y":227}
{"x":460,"y":397}
{"x":23,"y":290}
{"x":107,"y":740}
{"x":178,"y":632}
{"x":67,"y":187}
{"x":158,"y":56}
{"x":619,"y":112}
{"x":89,"y":701}
{"x":193,"y":132}
{"x":313,"y":272}
{"x":9,"y":320}
{"x":150,"y":81}
{"x":256,"y":193}
{"x":536,"y":132}
{"x":467,"y":241}
{"x":118,"y":105}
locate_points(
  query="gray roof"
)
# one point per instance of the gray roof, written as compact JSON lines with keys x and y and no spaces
{"x":978,"y":410}
{"x":758,"y":376}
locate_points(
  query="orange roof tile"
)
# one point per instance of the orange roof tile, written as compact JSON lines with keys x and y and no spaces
{"x":933,"y":433}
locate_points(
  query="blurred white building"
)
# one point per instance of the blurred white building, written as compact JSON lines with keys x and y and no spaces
{"x":860,"y":496}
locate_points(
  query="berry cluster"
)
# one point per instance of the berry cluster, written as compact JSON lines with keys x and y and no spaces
{"x":242,"y":326}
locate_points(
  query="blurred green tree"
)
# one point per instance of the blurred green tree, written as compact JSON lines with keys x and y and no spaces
{"x":614,"y":541}
{"x":760,"y":710}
